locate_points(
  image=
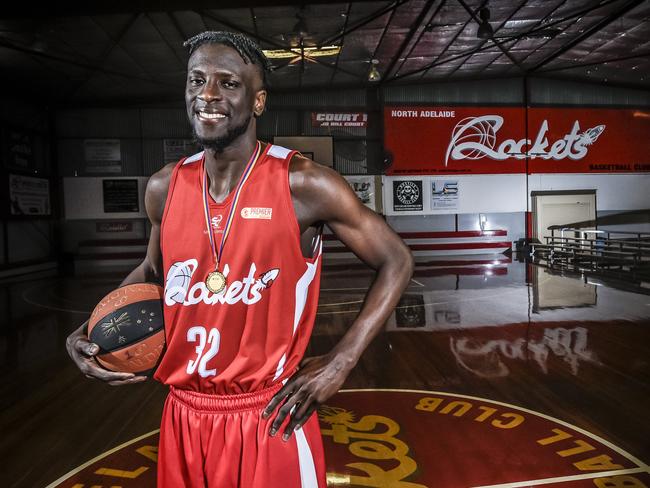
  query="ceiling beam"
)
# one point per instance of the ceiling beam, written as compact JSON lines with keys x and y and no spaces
{"x":417,"y":24}
{"x":433,"y":16}
{"x":113,"y":43}
{"x":79,"y":64}
{"x":338,"y":55}
{"x":502,"y":40}
{"x":363,"y":22}
{"x":601,"y":24}
{"x":449,"y":44}
{"x":643,"y":54}
{"x":501,"y":48}
{"x":26,"y":10}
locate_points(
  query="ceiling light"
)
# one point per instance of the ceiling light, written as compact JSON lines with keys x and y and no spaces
{"x":310,"y":52}
{"x":373,"y":74}
{"x":485,"y":30}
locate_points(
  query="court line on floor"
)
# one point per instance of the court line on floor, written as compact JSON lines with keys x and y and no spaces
{"x":564,"y":479}
{"x":69,"y":474}
{"x":49,"y":307}
{"x":417,"y":282}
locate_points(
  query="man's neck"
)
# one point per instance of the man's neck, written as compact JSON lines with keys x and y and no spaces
{"x":226,"y":167}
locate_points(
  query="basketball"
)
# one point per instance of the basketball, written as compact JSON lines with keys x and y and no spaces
{"x":127,"y":325}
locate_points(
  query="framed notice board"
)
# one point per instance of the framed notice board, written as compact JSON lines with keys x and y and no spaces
{"x":120,"y":195}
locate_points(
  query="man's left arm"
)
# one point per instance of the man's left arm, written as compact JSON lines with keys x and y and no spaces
{"x":322,"y":195}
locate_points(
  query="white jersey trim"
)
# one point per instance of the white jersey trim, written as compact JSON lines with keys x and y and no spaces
{"x":302,"y":291}
{"x":193,"y":159}
{"x":278,"y":151}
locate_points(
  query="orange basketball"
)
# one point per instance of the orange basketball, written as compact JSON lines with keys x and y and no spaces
{"x":127,"y":325}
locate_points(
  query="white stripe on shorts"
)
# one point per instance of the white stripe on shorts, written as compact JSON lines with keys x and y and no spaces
{"x":306,"y":460}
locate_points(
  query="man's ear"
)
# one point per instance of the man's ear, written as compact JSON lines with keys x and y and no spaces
{"x":260,"y":103}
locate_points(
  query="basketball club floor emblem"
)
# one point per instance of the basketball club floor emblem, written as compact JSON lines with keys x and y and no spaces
{"x":422,"y":439}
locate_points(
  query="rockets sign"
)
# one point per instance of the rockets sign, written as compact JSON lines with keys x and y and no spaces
{"x":483,"y":140}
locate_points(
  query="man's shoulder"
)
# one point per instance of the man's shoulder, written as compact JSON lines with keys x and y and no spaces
{"x":309,"y":178}
{"x":158,"y":184}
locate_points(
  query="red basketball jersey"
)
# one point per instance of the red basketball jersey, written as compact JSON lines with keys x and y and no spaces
{"x":254,"y":332}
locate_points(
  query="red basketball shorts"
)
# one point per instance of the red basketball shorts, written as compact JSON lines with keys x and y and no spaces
{"x":214,"y":441}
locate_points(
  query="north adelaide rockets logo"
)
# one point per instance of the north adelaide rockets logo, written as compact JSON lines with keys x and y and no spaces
{"x":476,"y":138}
{"x":180,"y":290}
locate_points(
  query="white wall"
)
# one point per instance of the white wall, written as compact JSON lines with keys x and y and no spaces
{"x":477,"y":194}
{"x":613,"y":191}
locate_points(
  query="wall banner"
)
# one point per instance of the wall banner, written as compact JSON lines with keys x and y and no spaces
{"x":339,"y":119}
{"x":103,"y":155}
{"x":495,"y":140}
{"x":29,"y":195}
{"x":407,"y":195}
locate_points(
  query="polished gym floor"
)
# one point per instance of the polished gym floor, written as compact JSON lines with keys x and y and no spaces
{"x":491,"y":372}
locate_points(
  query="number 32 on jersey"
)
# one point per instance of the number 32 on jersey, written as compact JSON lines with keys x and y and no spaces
{"x":203,"y":337}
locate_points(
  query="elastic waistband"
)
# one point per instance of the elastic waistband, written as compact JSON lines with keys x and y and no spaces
{"x":255,"y":400}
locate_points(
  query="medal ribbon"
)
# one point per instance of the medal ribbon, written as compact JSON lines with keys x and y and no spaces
{"x":206,"y":208}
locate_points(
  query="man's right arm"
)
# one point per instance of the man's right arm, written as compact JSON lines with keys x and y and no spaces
{"x":80,"y":349}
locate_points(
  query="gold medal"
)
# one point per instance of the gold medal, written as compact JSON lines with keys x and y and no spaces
{"x":215,"y":282}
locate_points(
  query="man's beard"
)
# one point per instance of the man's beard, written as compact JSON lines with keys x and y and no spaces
{"x":218,"y":144}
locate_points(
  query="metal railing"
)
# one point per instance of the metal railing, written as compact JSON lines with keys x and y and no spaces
{"x":622,"y":254}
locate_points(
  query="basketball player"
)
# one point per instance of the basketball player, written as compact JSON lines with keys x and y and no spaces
{"x":236,"y":240}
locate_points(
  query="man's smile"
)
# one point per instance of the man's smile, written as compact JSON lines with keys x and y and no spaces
{"x":208,"y":116}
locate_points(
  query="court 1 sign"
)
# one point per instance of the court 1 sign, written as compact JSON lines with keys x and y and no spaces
{"x":339,"y":119}
{"x":493,"y":140}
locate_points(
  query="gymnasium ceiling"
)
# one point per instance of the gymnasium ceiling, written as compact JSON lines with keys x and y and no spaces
{"x":132,"y":51}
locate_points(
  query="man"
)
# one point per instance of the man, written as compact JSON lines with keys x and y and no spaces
{"x":235,"y":237}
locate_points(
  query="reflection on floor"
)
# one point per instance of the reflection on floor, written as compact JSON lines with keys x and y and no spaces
{"x":488,"y":328}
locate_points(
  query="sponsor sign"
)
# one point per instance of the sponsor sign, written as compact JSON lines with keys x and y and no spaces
{"x":492,"y":140}
{"x":103,"y":155}
{"x":114,"y":226}
{"x":407,"y":195}
{"x":29,"y":195}
{"x":339,"y":119}
{"x":263,"y":213}
{"x":445,"y":194}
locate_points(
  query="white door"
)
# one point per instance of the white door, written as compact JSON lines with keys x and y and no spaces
{"x":562,"y":209}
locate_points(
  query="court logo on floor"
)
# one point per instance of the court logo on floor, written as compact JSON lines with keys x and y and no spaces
{"x":421,"y":439}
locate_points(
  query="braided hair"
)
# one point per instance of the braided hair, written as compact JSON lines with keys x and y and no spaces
{"x":248,"y":49}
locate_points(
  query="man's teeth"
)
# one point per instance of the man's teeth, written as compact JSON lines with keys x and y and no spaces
{"x":207,"y":115}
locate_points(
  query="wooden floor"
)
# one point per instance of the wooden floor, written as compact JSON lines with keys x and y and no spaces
{"x":486,"y":327}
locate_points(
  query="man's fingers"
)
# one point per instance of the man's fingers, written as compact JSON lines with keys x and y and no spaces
{"x":299,"y":417}
{"x":277,"y":398}
{"x":91,"y":369}
{"x":135,"y":379}
{"x":284,"y":411}
{"x":84,"y":346}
